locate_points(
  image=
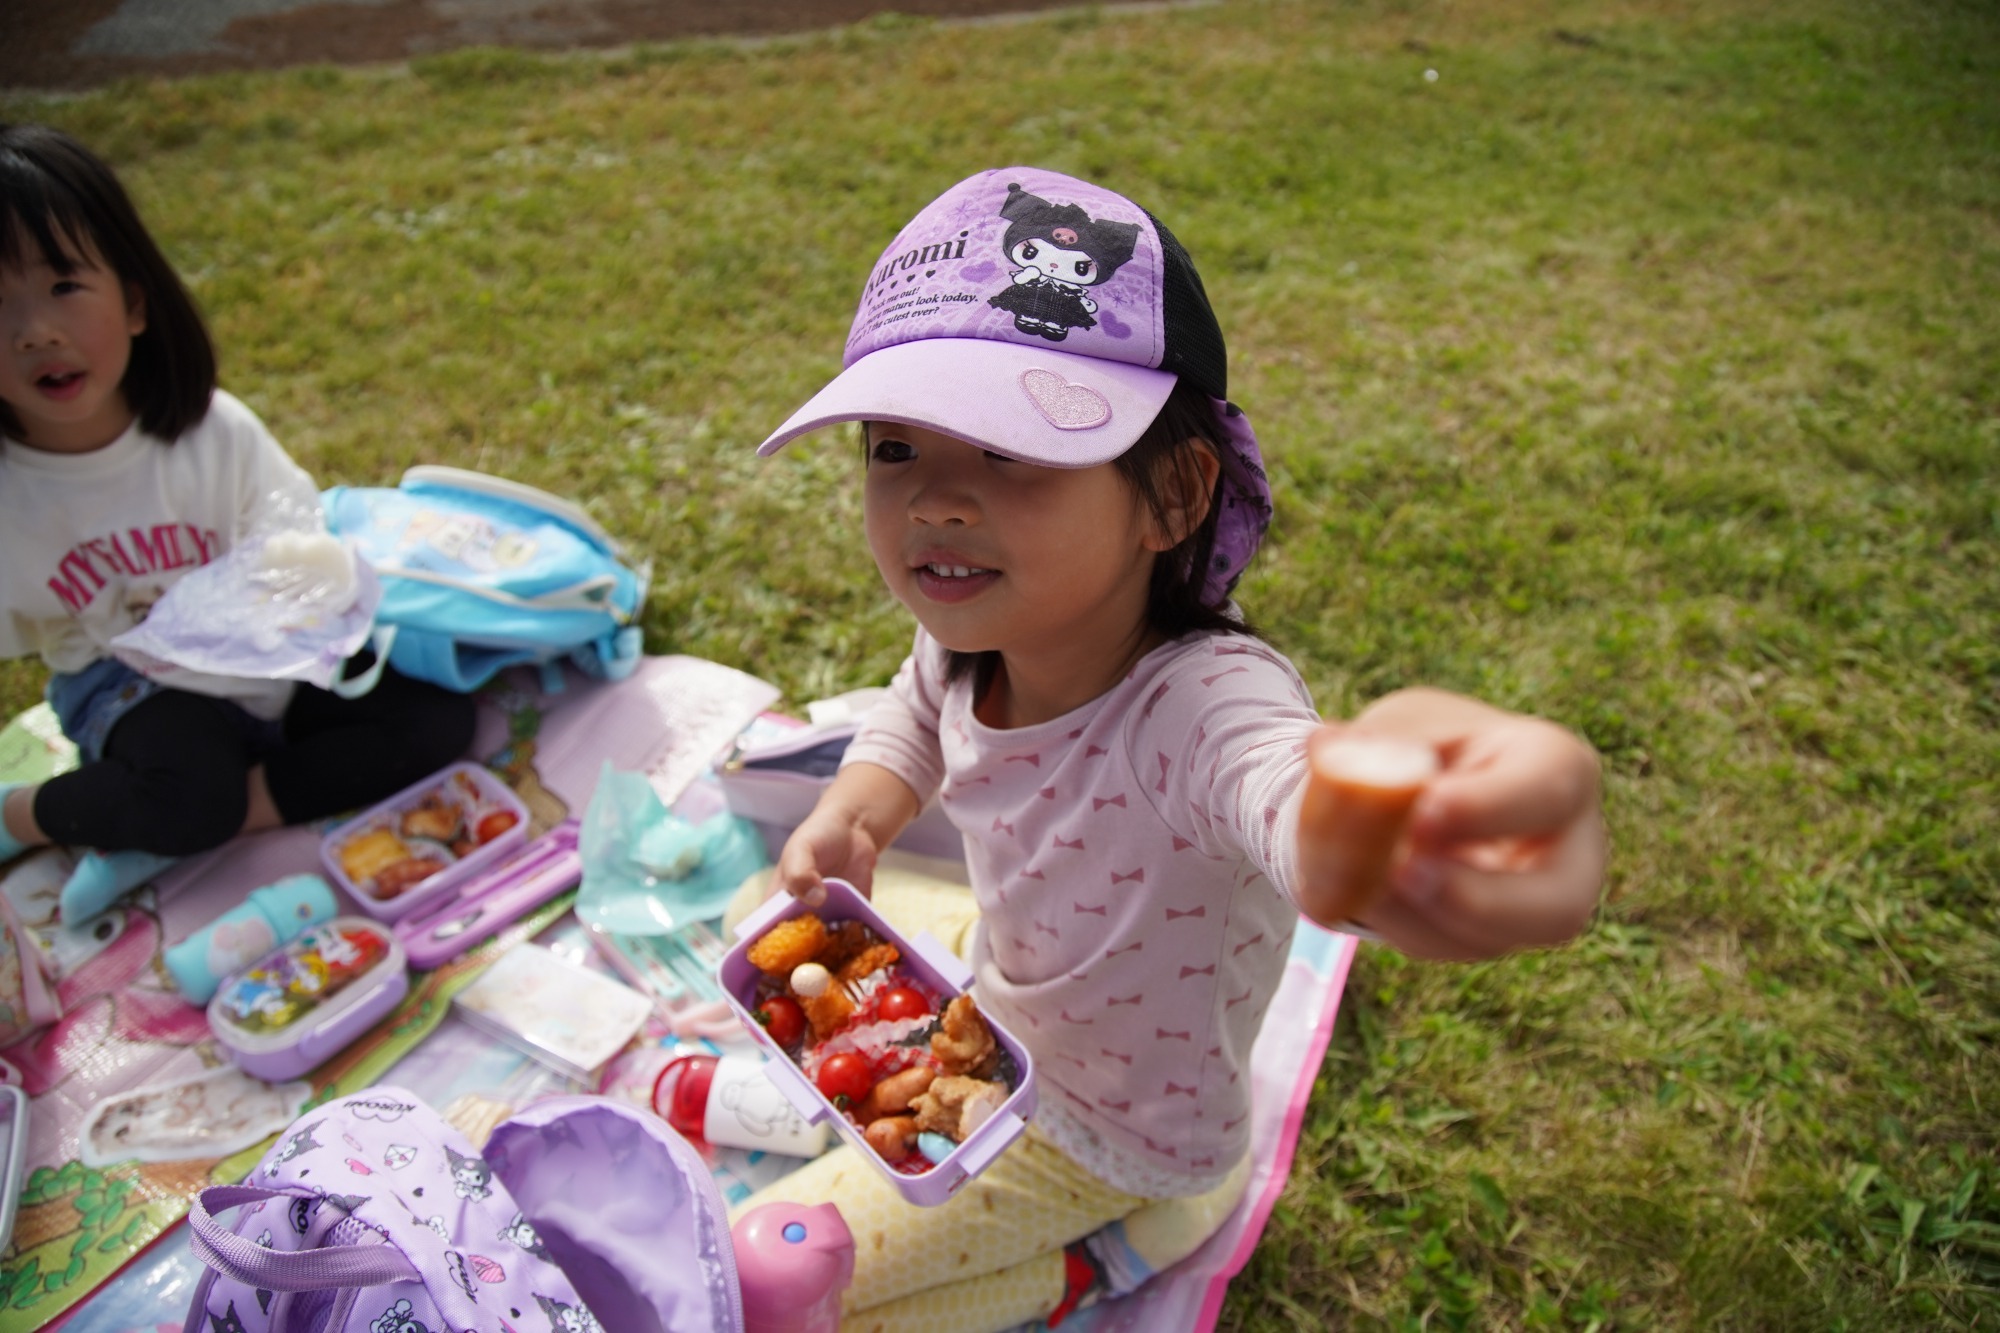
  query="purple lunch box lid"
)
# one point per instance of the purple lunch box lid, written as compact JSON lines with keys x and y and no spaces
{"x":491,"y":789}
{"x":330,"y":1027}
{"x":934,"y":965}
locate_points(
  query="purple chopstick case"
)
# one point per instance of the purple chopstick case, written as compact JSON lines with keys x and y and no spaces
{"x":448,"y":927}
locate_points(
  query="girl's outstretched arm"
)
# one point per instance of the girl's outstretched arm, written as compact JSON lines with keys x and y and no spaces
{"x":856,"y":817}
{"x":1507,"y":845}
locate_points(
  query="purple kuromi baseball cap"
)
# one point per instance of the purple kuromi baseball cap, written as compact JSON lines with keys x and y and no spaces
{"x":1047,"y":319}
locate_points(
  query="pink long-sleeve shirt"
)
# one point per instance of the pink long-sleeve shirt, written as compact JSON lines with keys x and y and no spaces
{"x":1127,"y":859}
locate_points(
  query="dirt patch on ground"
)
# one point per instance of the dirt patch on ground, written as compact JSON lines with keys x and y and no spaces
{"x":85,"y":43}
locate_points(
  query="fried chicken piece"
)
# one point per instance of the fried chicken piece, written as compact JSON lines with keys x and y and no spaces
{"x":828,"y":1011}
{"x":868,"y":962}
{"x":434,"y":818}
{"x":956,"y":1106}
{"x":843,"y":942}
{"x":963,"y":1043}
{"x":788,"y":944}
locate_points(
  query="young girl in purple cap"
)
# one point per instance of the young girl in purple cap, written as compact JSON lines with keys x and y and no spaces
{"x":122,"y":467}
{"x":1059,"y":490}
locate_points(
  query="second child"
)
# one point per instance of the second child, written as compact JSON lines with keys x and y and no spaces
{"x":122,"y":467}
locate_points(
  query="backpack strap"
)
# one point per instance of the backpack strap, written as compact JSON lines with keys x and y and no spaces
{"x":327,"y":1268}
{"x":573,"y":515}
{"x":594,"y":594}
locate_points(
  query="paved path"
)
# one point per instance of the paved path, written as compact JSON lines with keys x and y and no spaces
{"x":81,"y":43}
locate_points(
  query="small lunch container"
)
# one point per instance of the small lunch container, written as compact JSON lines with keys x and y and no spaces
{"x":935,"y":967}
{"x":431,"y":835}
{"x":304,"y":1002}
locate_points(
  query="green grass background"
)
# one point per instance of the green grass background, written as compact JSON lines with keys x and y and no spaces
{"x":1641,"y":370}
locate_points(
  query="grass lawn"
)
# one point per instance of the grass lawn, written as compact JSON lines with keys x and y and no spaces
{"x":1640,"y":369}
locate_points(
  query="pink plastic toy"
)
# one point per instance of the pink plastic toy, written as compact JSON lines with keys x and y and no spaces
{"x":793,"y":1261}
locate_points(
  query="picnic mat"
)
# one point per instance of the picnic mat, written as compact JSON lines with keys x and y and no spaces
{"x":125,"y":1029}
{"x":1283,"y":1065}
{"x":153,"y":1291}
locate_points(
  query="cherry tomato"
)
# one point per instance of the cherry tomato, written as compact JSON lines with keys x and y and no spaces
{"x":903,"y":1002}
{"x":783,"y":1019}
{"x":495,"y":824}
{"x":846,"y":1075}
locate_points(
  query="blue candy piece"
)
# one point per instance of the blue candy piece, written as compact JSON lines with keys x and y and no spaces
{"x":935,"y":1147}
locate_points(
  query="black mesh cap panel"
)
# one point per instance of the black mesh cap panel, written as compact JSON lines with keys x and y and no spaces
{"x":1194,"y":348}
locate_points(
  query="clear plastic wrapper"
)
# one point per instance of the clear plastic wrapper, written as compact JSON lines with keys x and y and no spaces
{"x":289,"y":602}
{"x":646,"y":870}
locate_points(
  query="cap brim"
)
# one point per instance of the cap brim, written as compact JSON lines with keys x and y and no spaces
{"x":1038,"y":405}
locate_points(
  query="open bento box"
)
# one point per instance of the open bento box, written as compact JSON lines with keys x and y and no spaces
{"x":991,"y":1117}
{"x":290,"y":1011}
{"x":429,"y":836}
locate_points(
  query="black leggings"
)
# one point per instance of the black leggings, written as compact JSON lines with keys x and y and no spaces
{"x":175,"y":774}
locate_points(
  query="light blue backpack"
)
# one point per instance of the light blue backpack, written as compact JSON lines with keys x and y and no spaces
{"x":480,"y":573}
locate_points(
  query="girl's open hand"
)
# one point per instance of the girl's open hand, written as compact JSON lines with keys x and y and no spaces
{"x":1506,"y":845}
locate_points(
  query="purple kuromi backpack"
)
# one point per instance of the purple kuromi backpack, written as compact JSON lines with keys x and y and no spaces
{"x":374,"y":1215}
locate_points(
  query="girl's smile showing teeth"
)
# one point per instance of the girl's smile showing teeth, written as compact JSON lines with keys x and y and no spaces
{"x":60,"y":384}
{"x":1046,"y":566}
{"x":66,"y":332}
{"x":948,"y":581}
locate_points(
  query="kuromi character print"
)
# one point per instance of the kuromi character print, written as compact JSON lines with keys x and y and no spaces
{"x":471,"y":1178}
{"x":454,"y":1264}
{"x":264,"y":1296}
{"x":298,"y":1145}
{"x":565,"y":1318}
{"x":302,"y":1210}
{"x":384,"y":1109}
{"x":522,"y":1234}
{"x":226,"y":1322}
{"x":1059,"y":250}
{"x":398,"y":1318}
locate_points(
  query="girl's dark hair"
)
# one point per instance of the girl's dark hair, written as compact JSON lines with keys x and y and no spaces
{"x":58,"y":196}
{"x":1174,"y":604}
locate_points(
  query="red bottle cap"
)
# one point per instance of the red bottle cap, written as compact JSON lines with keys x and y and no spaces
{"x":680,"y":1095}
